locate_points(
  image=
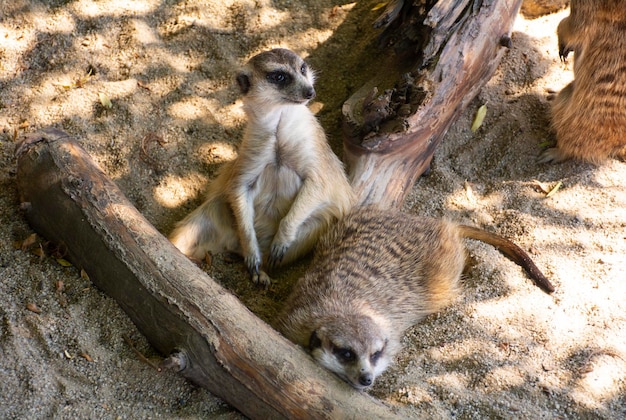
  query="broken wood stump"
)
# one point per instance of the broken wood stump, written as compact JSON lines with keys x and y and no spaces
{"x":441,"y":54}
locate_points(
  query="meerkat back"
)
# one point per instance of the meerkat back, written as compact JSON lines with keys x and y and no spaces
{"x":589,"y":115}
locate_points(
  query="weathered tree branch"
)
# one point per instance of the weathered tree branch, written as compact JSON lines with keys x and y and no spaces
{"x":390,"y":138}
{"x":181,"y":310}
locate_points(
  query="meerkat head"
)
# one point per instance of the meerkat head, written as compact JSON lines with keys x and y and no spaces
{"x":277,"y":76}
{"x":356,"y":349}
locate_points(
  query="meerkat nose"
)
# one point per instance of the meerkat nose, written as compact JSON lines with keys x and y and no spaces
{"x":366,"y":379}
{"x":309,"y":93}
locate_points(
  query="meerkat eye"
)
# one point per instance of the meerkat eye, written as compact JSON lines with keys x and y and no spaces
{"x":345,"y":355}
{"x":303,"y":69}
{"x":279,"y":77}
{"x":375,"y":356}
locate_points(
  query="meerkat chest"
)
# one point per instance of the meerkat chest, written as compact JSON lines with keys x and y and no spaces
{"x":276,"y":188}
{"x":284,"y":155}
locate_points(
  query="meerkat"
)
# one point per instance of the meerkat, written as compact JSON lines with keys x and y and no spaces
{"x":375,"y":274}
{"x":286,"y":185}
{"x":589,"y":114}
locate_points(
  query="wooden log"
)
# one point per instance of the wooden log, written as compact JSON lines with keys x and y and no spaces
{"x":390,"y":137}
{"x":217,"y":342}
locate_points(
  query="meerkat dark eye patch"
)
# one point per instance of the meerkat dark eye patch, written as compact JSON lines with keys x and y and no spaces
{"x":375,"y":356}
{"x":344,"y":355}
{"x":279,"y":78}
{"x":303,"y":69}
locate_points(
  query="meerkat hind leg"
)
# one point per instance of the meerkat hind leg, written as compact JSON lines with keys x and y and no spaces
{"x":209,"y":228}
{"x":553,"y":154}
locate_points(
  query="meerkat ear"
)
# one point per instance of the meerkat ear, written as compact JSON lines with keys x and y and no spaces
{"x":314,"y":341}
{"x":243,"y":80}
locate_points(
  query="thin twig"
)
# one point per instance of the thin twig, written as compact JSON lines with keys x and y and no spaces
{"x":139,"y":354}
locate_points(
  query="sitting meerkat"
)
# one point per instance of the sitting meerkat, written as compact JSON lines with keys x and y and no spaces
{"x":286,"y":185}
{"x":375,"y":274}
{"x":589,"y":114}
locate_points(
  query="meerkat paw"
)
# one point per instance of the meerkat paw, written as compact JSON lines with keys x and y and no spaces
{"x":554,"y":155}
{"x":277,"y":253}
{"x":258,"y":276}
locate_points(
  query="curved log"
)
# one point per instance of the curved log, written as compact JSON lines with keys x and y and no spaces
{"x":214,"y":340}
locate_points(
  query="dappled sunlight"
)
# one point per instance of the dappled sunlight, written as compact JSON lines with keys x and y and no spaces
{"x":469,"y":199}
{"x":609,"y":176}
{"x":269,"y":17}
{"x":303,"y":41}
{"x":57,"y":100}
{"x":216,"y":152}
{"x":588,"y":208}
{"x":607,"y":373}
{"x":94,"y":9}
{"x":174,"y":190}
{"x":540,"y":34}
{"x":452,"y":381}
{"x":119,"y":89}
{"x":194,"y":108}
{"x":12,"y":43}
{"x":504,"y":377}
{"x":61,"y":22}
{"x":145,"y":34}
{"x":175,"y":117}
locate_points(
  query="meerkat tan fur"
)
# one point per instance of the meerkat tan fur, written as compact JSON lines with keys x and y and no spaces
{"x":375,"y":274}
{"x":286,"y":185}
{"x":589,"y":114}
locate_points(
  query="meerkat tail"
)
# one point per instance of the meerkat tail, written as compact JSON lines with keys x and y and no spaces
{"x":511,"y":250}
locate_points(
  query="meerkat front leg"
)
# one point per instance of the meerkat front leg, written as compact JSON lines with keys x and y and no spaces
{"x":564,"y":33}
{"x":559,"y":110}
{"x":243,"y":209}
{"x":306,"y":202}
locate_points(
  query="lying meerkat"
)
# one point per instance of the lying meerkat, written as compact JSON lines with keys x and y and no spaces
{"x":375,"y":274}
{"x":589,"y":114}
{"x":286,"y":185}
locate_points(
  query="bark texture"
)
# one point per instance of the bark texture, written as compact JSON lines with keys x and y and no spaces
{"x":214,"y":340}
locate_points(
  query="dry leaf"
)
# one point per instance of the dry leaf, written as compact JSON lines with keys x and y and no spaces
{"x":469,"y":192}
{"x":143,"y":85}
{"x":83,"y":274}
{"x":105,"y":101}
{"x":86,"y":357}
{"x":63,"y":262}
{"x":33,"y":308}
{"x":542,"y":186}
{"x":480,"y":116}
{"x":39,"y":252}
{"x":555,"y":189}
{"x":28,"y":242}
{"x":379,"y":6}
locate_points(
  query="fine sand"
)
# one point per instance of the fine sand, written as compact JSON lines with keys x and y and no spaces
{"x":504,"y":349}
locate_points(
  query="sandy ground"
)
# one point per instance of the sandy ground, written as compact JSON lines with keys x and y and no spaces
{"x":503,"y":350}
